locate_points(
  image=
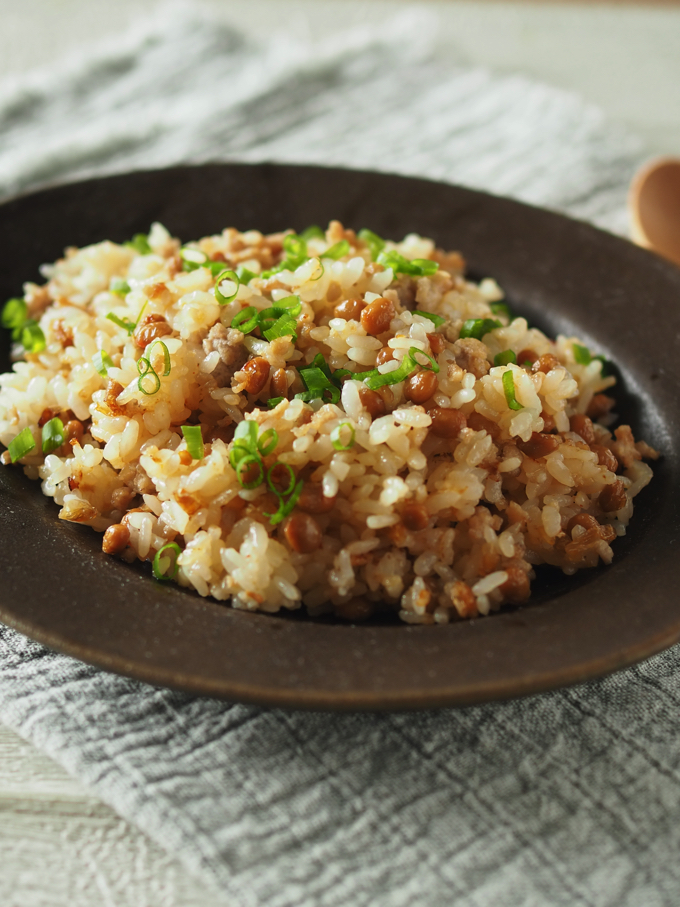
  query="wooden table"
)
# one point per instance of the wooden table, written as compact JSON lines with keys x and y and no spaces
{"x":60,"y":846}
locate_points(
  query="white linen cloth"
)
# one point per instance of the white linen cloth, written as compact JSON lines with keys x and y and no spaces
{"x":568,"y":798}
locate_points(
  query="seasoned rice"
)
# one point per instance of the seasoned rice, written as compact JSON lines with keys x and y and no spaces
{"x":432,"y":493}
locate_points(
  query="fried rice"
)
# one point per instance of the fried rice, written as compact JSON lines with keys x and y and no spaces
{"x":327,"y":419}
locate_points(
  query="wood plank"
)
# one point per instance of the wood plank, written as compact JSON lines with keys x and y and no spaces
{"x":62,"y":847}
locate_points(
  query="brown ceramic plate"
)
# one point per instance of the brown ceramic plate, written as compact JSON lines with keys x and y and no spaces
{"x":59,"y":588}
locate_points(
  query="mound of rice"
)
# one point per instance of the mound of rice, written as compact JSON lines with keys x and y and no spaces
{"x":432,"y":493}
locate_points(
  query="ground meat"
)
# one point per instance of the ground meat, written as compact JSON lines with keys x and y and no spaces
{"x":453,"y":262}
{"x":624,"y":448}
{"x":471,"y":355}
{"x":233,"y":354}
{"x":141,"y":483}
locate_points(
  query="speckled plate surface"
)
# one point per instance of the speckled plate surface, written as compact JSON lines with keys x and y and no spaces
{"x":59,"y":588}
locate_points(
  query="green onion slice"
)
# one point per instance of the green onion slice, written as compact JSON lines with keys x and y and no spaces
{"x":102,"y":362}
{"x":246,"y":434}
{"x":146,"y":370}
{"x":291,"y":479}
{"x":286,"y":508}
{"x":336,"y":436}
{"x":318,"y":381}
{"x":166,"y":567}
{"x":374,"y":379}
{"x":478,"y":327}
{"x":194,"y":438}
{"x":244,"y":275}
{"x":505,"y":358}
{"x":243,"y":467}
{"x":231,"y":277}
{"x":337,"y":251}
{"x":32,"y":337}
{"x":119,"y":286}
{"x":274,"y":401}
{"x":21,"y":445}
{"x":282,"y":327}
{"x":312,"y":232}
{"x":267,"y":441}
{"x":339,"y":376}
{"x":140,"y":243}
{"x":508,"y":380}
{"x":501,"y":308}
{"x":193,"y":258}
{"x":124,"y":323}
{"x":291,"y":492}
{"x":295,"y":248}
{"x":582,"y":354}
{"x":246,"y":320}
{"x":14,"y":316}
{"x":374,"y":242}
{"x":437,"y":319}
{"x":166,"y":357}
{"x":53,"y":435}
{"x":419,"y":267}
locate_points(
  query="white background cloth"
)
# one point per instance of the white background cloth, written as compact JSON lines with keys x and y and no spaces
{"x":567,"y":798}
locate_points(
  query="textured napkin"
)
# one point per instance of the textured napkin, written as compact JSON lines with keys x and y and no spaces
{"x":566,"y":798}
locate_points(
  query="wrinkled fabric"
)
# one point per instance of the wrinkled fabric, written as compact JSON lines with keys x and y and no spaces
{"x":571,"y":797}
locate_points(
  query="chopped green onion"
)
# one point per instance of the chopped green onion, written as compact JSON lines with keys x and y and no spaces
{"x":165,"y":568}
{"x":290,"y":304}
{"x":102,"y":362}
{"x":291,"y":479}
{"x":214,"y":267}
{"x":292,"y":492}
{"x":267,"y":441}
{"x":14,"y":315}
{"x":295,"y":248}
{"x":231,"y":277}
{"x":374,"y":242}
{"x":166,"y":357}
{"x":140,"y":243}
{"x":504,"y":358}
{"x":322,"y":271}
{"x":339,"y":375}
{"x":246,"y":320}
{"x":283,"y":327}
{"x":125,"y":323}
{"x":436,"y":319}
{"x":501,"y":308}
{"x":478,"y":327}
{"x":336,"y":439}
{"x":32,"y":337}
{"x":119,"y":286}
{"x":286,"y":508}
{"x":21,"y":445}
{"x":508,"y":380}
{"x":274,"y":401}
{"x":194,"y":438}
{"x":192,"y":259}
{"x":419,"y":267}
{"x":312,"y":232}
{"x":146,"y":370}
{"x":53,"y":435}
{"x":318,"y":381}
{"x":374,"y":379}
{"x":337,"y":251}
{"x":265,"y":275}
{"x":246,"y":434}
{"x":582,"y":354}
{"x":243,"y":468}
{"x":426,"y":267}
{"x":244,"y":275}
